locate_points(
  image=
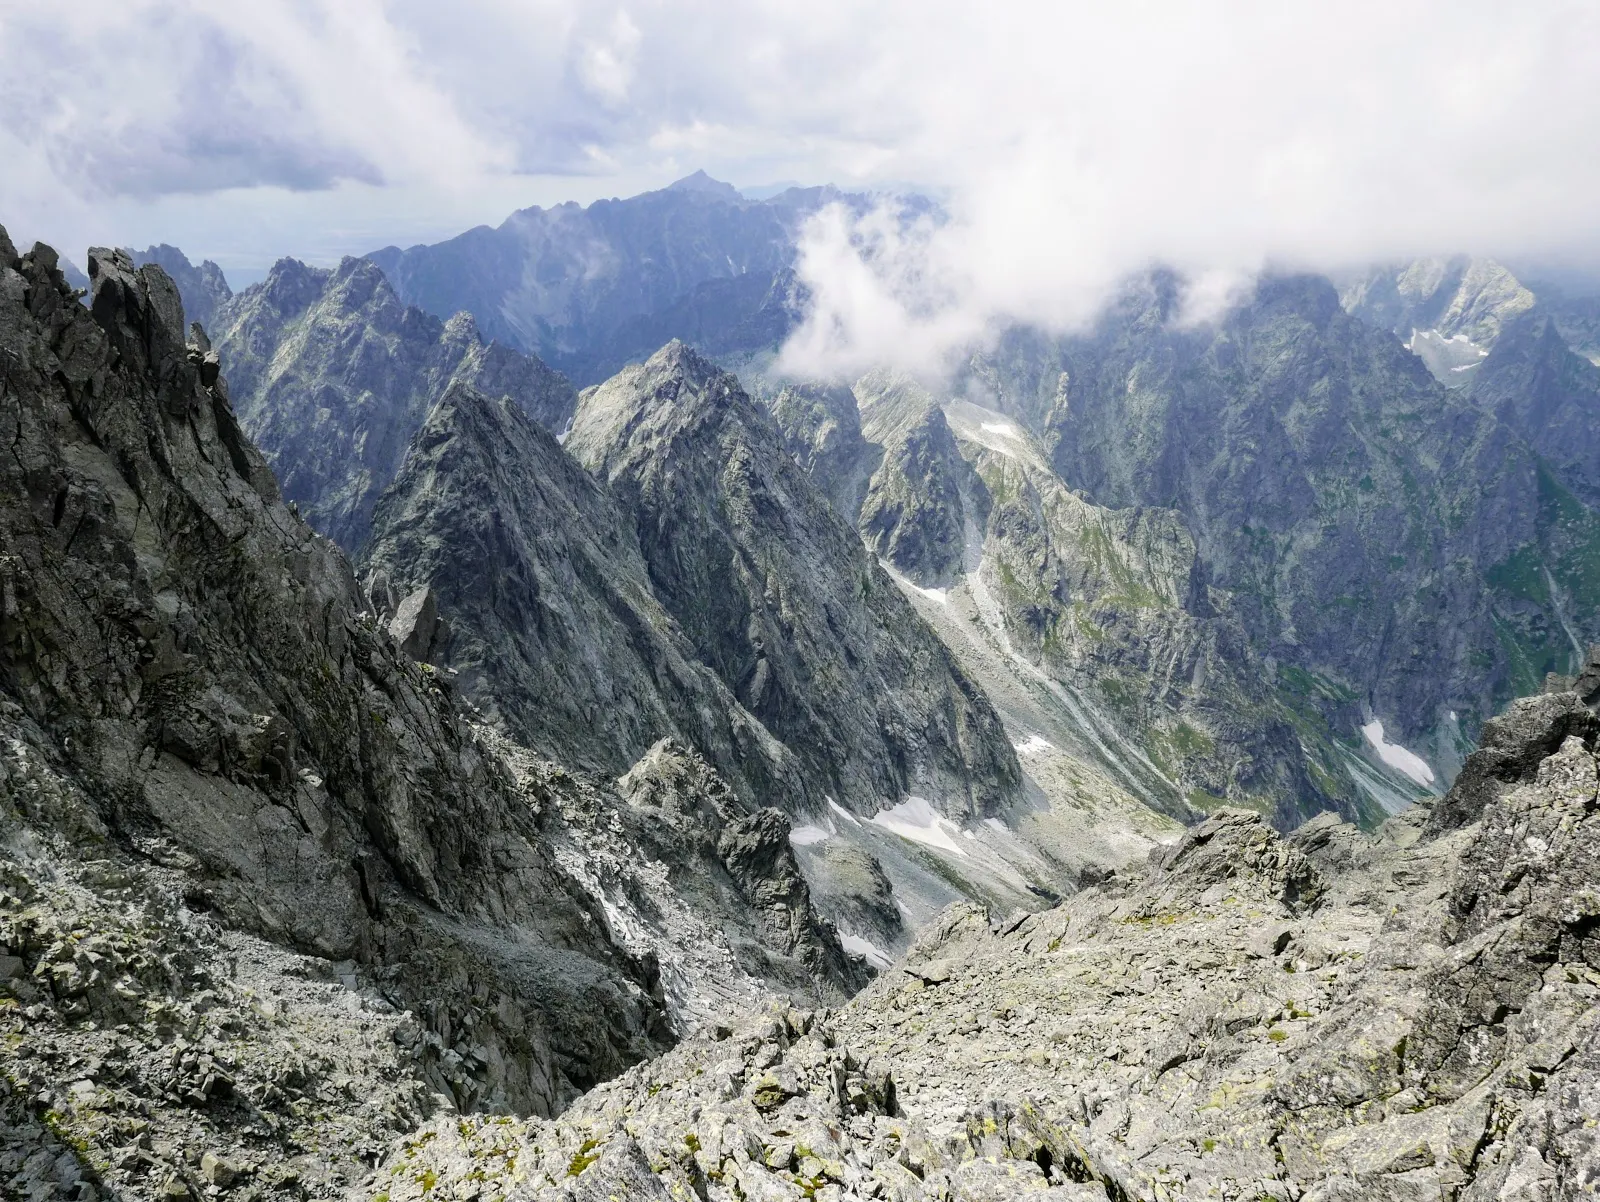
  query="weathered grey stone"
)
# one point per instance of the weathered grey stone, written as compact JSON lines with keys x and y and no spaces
{"x":777,"y":595}
{"x":1431,"y":1029}
{"x":332,"y":376}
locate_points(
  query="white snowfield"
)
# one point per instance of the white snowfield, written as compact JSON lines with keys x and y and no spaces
{"x":807,"y":834}
{"x":874,"y":954}
{"x":1396,"y":756}
{"x":917,"y":820}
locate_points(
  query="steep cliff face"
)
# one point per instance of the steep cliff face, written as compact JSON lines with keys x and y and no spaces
{"x":821,"y":426}
{"x":1364,"y":519}
{"x":204,"y":289}
{"x":332,"y":375}
{"x":1447,"y":312}
{"x":196,"y":659}
{"x":259,"y":875}
{"x":780,"y":599}
{"x":1537,"y":386}
{"x":553,"y":626}
{"x":1095,"y":630}
{"x":914,"y":515}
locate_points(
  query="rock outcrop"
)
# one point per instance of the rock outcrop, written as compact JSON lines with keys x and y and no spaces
{"x":554,"y":630}
{"x":204,"y":289}
{"x":332,"y":375}
{"x":1332,"y":1015}
{"x":200,"y":664}
{"x":267,"y":895}
{"x":914,"y":515}
{"x":1380,"y":536}
{"x":777,"y":595}
{"x":821,"y":427}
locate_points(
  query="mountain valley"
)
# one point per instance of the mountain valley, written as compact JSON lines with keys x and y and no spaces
{"x":473,"y":730}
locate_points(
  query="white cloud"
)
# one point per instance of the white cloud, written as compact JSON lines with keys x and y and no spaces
{"x":1070,"y":142}
{"x":607,"y":63}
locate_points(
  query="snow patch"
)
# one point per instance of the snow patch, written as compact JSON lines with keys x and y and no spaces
{"x":1004,"y":428}
{"x":843,"y":813}
{"x":916,"y":819}
{"x":941,"y":595}
{"x":1396,"y":756}
{"x":874,"y":955}
{"x":996,"y":824}
{"x":806,"y":835}
{"x":1033,"y":745}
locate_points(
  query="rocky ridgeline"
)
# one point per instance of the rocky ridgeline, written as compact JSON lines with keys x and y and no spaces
{"x":1406,"y":1014}
{"x":777,"y":595}
{"x":268,"y":893}
{"x":331,"y":375}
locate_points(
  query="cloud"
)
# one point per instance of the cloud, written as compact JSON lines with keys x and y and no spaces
{"x":1080,"y":144}
{"x":1070,"y":143}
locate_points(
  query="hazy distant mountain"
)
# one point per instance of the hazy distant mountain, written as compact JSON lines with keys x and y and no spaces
{"x":590,"y":289}
{"x":204,"y":288}
{"x":332,"y":374}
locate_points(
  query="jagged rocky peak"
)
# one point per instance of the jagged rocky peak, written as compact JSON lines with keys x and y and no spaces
{"x":174,"y":618}
{"x":554,"y":630}
{"x":1330,"y":416}
{"x":333,"y":374}
{"x":702,"y":184}
{"x":1464,"y":298}
{"x":914,"y":515}
{"x":693,"y":820}
{"x":204,"y":288}
{"x":778,"y":596}
{"x":259,"y":875}
{"x":821,"y":427}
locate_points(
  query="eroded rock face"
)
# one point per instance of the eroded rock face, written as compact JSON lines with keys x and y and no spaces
{"x":1331,"y":1015}
{"x":554,"y":630}
{"x":914,"y":515}
{"x":332,"y":376}
{"x":777,"y":595}
{"x":204,"y":288}
{"x":821,"y":427}
{"x":199,"y":714}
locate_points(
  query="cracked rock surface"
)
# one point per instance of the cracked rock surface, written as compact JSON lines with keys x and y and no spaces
{"x":1328,"y":1015}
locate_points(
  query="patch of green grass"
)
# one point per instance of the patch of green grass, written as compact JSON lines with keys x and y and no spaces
{"x":585,"y":1156}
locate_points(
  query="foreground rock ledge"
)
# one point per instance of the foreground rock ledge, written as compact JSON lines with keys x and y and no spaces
{"x":1332,"y":1015}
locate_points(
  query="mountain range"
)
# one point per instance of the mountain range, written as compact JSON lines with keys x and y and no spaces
{"x":555,"y":687}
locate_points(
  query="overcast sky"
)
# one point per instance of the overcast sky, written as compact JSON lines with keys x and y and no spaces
{"x":1071,"y":142}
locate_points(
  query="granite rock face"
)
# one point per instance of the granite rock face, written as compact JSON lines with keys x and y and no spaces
{"x":202,"y":663}
{"x":1332,"y":1015}
{"x":332,"y":375}
{"x":1549,"y":395}
{"x":914,"y":514}
{"x":267,"y":895}
{"x":821,"y":427}
{"x":777,"y":595}
{"x":1448,"y":312}
{"x":204,"y":288}
{"x":1372,"y":528}
{"x":554,"y":630}
{"x":1096,"y":630}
